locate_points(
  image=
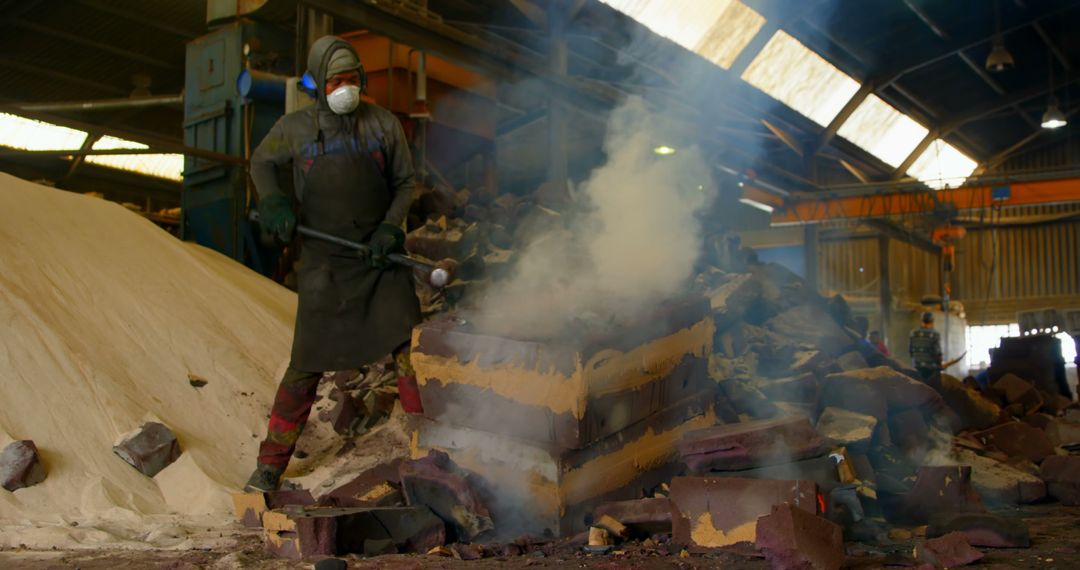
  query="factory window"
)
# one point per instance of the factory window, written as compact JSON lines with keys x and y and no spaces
{"x":28,"y":134}
{"x":942,"y":165}
{"x":792,"y":73}
{"x":716,"y":30}
{"x":883,"y":131}
{"x":980,"y":339}
{"x":170,"y":166}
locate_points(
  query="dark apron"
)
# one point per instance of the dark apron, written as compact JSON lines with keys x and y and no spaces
{"x":349,"y":313}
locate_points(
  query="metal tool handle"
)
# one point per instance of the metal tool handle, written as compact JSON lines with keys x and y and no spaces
{"x":437,"y":276}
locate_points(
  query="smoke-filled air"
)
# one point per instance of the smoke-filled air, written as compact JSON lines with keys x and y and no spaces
{"x":628,"y":241}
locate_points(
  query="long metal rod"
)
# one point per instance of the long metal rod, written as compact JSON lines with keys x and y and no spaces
{"x":104,"y":104}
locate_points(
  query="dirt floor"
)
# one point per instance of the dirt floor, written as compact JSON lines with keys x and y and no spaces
{"x":1055,"y":533}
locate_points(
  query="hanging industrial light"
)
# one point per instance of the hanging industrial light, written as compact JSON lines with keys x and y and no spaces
{"x":999,"y":59}
{"x":1053,"y":118}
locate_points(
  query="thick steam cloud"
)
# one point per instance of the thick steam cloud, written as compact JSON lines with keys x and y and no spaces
{"x":629,"y":241}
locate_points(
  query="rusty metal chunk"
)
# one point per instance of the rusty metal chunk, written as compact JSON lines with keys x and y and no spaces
{"x":149,"y":449}
{"x":20,"y":466}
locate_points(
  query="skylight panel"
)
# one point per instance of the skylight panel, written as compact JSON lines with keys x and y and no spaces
{"x":793,"y":74}
{"x":717,"y":30}
{"x":883,"y":131}
{"x":28,"y":134}
{"x":169,"y":166}
{"x":729,"y":35}
{"x":941,"y":166}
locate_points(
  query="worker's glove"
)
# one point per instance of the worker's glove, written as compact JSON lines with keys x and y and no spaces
{"x":277,"y":217}
{"x":387,"y":239}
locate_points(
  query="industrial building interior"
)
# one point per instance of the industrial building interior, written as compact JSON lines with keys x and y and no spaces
{"x":683,"y":283}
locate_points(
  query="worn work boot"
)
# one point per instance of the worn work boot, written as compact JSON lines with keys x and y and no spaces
{"x":265,"y":479}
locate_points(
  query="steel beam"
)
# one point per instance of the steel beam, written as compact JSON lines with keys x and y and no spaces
{"x":150,"y":22}
{"x":884,"y":288}
{"x":784,"y":137}
{"x":558,"y":159}
{"x":754,"y":47}
{"x":1054,"y":49}
{"x":67,"y":78}
{"x":890,"y":229}
{"x":881,"y":204}
{"x":93,"y":44}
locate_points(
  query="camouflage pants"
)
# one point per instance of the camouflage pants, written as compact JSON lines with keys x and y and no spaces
{"x":292,"y":405}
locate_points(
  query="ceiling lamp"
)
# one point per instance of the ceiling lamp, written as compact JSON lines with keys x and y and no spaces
{"x":1053,"y":118}
{"x":664,"y":150}
{"x":999,"y":59}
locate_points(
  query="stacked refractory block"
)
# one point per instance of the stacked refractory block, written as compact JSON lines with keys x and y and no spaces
{"x":555,"y":428}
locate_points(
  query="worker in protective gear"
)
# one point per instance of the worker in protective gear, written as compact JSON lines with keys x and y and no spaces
{"x":353,"y":177}
{"x":924,"y":345}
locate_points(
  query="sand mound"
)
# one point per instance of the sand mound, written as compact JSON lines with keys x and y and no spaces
{"x":103,"y":316}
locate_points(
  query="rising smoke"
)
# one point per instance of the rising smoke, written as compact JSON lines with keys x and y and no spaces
{"x":629,"y":240}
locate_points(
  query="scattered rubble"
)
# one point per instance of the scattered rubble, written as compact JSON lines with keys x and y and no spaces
{"x":149,"y":449}
{"x":841,"y":427}
{"x":304,"y":533}
{"x":644,"y":517}
{"x":20,"y":466}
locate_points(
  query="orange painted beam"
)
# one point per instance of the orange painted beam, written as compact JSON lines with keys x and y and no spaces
{"x":809,"y":210}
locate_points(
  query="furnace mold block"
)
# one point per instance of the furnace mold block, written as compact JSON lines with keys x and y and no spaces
{"x":568,"y":393}
{"x":543,"y":490}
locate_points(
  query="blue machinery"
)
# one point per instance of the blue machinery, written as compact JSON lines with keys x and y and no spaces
{"x":234,"y":91}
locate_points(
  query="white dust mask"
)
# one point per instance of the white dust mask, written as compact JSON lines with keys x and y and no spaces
{"x":344,"y":99}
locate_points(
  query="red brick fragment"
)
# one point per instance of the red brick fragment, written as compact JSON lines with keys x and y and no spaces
{"x":20,"y":466}
{"x":948,"y":551}
{"x":794,"y":539}
{"x":710,"y":512}
{"x":436,"y":482}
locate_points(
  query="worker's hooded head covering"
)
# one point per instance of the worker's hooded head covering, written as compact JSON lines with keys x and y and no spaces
{"x":329,"y":56}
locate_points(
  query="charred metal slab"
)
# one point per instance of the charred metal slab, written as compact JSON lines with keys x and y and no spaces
{"x":567,"y":393}
{"x":304,"y":533}
{"x":546,"y":490}
{"x":793,"y":538}
{"x":711,"y":512}
{"x":751,"y":444}
{"x":20,"y":466}
{"x":982,"y":529}
{"x":149,"y":449}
